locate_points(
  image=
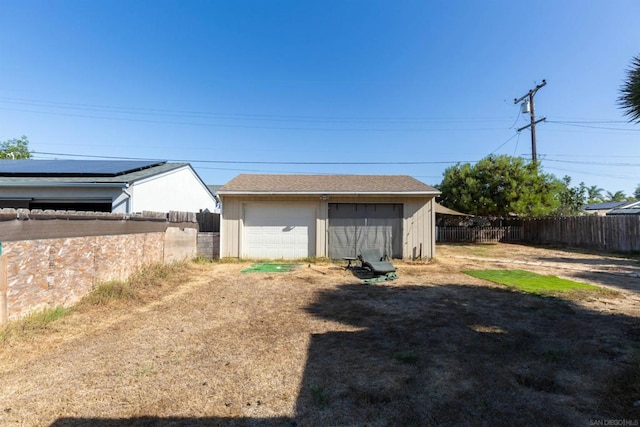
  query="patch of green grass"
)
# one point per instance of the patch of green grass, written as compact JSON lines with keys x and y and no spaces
{"x":530,"y":282}
{"x":40,"y":319}
{"x":268,"y":267}
{"x":33,"y":323}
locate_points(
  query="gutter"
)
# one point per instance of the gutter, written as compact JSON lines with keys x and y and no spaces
{"x":65,"y":184}
{"x":329,"y":193}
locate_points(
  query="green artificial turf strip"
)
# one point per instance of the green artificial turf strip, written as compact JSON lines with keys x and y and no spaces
{"x":269,"y":267}
{"x":528,"y":281}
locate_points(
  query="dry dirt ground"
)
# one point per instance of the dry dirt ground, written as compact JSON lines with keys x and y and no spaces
{"x":317,"y":347}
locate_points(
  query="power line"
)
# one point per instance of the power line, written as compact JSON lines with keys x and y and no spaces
{"x":585,"y":162}
{"x":251,"y":162}
{"x":579,"y":125}
{"x":547,"y":155}
{"x":237,"y":116}
{"x":261,"y":162}
{"x":501,"y":145}
{"x":251,"y":127}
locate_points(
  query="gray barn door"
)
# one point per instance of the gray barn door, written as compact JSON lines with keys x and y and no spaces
{"x":357,"y":226}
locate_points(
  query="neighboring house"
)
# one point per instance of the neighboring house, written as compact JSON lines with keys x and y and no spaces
{"x":629,"y":208}
{"x":335,"y":216}
{"x":601,"y":209}
{"x":103,"y":186}
{"x":214,"y":190}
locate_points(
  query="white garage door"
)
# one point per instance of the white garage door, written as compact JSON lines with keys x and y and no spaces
{"x":275,"y":231}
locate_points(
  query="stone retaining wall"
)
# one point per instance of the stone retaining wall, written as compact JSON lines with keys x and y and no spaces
{"x":47,"y":270}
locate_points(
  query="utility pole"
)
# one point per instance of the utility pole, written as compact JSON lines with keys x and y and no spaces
{"x":529,"y":107}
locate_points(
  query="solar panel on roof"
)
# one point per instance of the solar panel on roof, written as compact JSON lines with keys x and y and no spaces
{"x":73,"y":167}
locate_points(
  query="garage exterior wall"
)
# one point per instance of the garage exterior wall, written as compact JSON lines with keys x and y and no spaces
{"x":418,"y":221}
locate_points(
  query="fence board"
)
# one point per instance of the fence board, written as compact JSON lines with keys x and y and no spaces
{"x":478,"y":234}
{"x":611,"y":233}
{"x":208,"y":221}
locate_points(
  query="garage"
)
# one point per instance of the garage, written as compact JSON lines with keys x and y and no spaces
{"x":291,"y":216}
{"x":277,"y":231}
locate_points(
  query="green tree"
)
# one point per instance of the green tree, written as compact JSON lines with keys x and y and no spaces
{"x":618,"y":196}
{"x":637,"y":192}
{"x":571,"y":198}
{"x":500,"y":186}
{"x":15,"y":149}
{"x":629,"y":99}
{"x":595,"y":194}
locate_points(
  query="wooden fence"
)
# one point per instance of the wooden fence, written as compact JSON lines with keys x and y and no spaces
{"x":478,"y":234}
{"x":612,"y":233}
{"x":208,"y":222}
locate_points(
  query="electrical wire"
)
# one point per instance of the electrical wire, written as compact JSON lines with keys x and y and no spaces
{"x":251,"y":162}
{"x":252,"y":127}
{"x":517,"y":142}
{"x":588,"y":126}
{"x":237,"y":116}
{"x":501,"y":145}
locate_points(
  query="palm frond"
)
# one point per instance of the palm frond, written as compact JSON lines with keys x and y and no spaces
{"x":629,"y":99}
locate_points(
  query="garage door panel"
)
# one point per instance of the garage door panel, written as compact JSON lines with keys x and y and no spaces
{"x":357,"y":226}
{"x":274,"y":231}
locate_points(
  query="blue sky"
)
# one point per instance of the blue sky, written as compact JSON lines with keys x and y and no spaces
{"x":415,"y":85}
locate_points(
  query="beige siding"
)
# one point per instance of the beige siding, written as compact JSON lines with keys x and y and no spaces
{"x":230,"y":228}
{"x":419,"y":233}
{"x":418,"y":223}
{"x":322,"y":230}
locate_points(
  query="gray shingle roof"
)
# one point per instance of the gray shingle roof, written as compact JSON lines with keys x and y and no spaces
{"x":318,"y":184}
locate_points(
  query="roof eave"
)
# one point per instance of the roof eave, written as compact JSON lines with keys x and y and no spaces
{"x":65,"y":184}
{"x":328,"y":193}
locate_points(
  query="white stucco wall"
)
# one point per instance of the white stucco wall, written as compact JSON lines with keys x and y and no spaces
{"x":176,"y":190}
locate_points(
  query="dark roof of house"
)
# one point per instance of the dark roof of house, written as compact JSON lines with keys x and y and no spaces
{"x":318,"y":184}
{"x":73,"y":167}
{"x":34,"y":172}
{"x":213,"y":188}
{"x":602,"y":206}
{"x":629,"y":208}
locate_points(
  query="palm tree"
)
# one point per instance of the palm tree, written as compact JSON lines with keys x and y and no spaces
{"x":629,"y":99}
{"x":618,"y":196}
{"x":594,"y":194}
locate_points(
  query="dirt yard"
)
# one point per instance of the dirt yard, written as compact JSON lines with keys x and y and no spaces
{"x":318,"y":347}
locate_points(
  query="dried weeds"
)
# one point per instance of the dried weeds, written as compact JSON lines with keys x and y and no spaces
{"x":209,"y":345}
